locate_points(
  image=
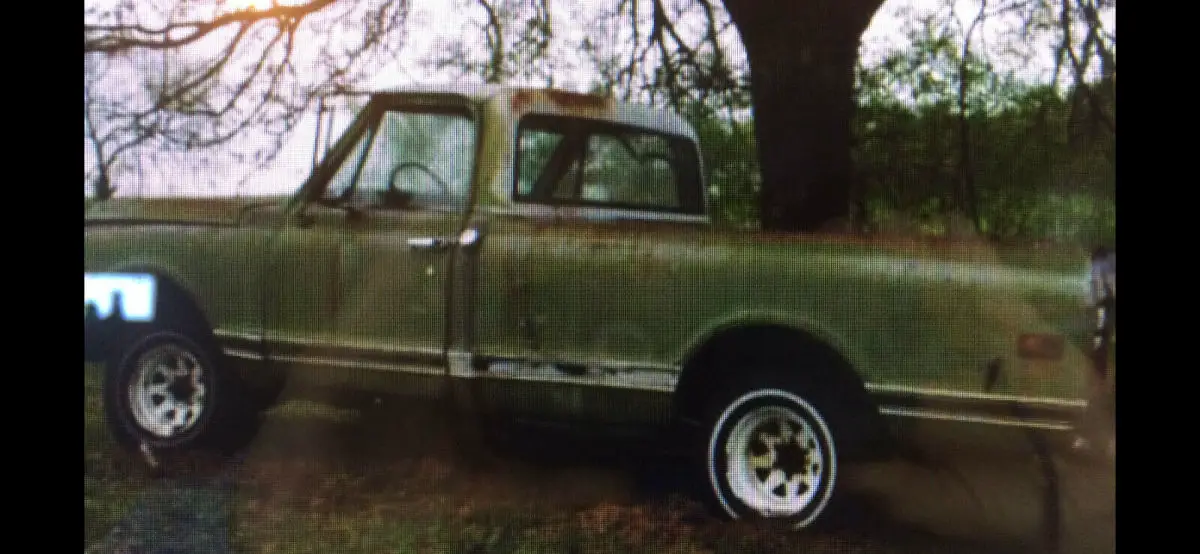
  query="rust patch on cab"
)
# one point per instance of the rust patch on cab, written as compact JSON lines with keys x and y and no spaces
{"x":523,"y":98}
{"x":577,"y":100}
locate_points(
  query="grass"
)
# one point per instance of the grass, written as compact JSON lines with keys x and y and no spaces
{"x":323,"y":480}
{"x":296,"y":494}
{"x":109,"y":486}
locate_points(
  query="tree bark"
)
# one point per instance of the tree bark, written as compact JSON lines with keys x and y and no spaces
{"x":802,"y":56}
{"x":102,"y":187}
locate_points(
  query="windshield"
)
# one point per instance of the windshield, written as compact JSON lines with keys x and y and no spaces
{"x":409,"y":158}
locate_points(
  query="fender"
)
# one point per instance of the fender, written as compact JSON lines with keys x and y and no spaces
{"x":138,"y":288}
{"x":793,"y":321}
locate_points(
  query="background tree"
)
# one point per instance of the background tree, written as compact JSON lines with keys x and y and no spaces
{"x":802,"y":57}
{"x":1034,"y":171}
{"x":517,"y":39}
{"x":929,"y":129}
{"x":162,"y":76}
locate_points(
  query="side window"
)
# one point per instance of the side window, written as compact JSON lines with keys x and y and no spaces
{"x":574,"y":162}
{"x":536,"y":148}
{"x":342,"y":181}
{"x":632,"y":169}
{"x":409,"y":158}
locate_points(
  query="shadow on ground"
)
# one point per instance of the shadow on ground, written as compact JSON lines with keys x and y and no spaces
{"x":394,"y":479}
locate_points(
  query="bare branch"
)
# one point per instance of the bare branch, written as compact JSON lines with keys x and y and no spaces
{"x":115,"y":38}
{"x":1080,"y":67}
{"x":245,"y":97}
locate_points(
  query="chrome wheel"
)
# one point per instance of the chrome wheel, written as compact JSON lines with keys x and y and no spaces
{"x":771,"y":455}
{"x":775,"y":462}
{"x":167,"y":391}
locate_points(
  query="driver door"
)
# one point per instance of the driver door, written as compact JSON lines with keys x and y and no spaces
{"x":399,"y":196}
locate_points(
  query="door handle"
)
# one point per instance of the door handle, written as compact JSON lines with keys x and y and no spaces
{"x":466,"y":239}
{"x":429,"y":243}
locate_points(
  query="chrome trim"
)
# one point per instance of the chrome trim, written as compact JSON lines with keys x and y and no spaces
{"x":919,"y":413}
{"x":430,"y":352}
{"x":945,"y":394}
{"x":630,"y":379}
{"x":619,"y":366}
{"x":244,"y":354}
{"x":607,"y":382}
{"x":359,"y":364}
{"x":222,"y":334}
{"x":460,"y":365}
{"x":429,"y":243}
{"x":468,"y":237}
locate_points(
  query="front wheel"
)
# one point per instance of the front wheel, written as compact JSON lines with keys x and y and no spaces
{"x":166,"y":392}
{"x":771,"y":455}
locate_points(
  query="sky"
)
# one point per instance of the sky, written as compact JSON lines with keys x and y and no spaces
{"x":450,"y":22}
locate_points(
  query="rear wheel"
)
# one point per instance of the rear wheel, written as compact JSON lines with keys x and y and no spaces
{"x":771,"y":453}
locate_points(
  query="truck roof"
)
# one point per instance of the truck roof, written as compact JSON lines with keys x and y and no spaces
{"x":550,"y":101}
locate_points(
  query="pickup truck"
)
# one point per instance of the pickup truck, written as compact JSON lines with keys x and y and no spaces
{"x":547,"y":254}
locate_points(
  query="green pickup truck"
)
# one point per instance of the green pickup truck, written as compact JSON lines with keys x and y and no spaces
{"x":545,"y":254}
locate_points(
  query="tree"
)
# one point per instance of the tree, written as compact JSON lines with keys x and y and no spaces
{"x":209,"y":72}
{"x":803,"y":102}
{"x":797,"y":73}
{"x":802,"y":57}
{"x":1033,"y":171}
{"x":517,"y":39}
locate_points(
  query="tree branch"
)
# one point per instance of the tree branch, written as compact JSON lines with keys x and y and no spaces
{"x":1080,"y":67}
{"x":112,"y":38}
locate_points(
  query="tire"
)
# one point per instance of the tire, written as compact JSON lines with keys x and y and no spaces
{"x":166,"y":390}
{"x":264,"y":398}
{"x":771,"y":453}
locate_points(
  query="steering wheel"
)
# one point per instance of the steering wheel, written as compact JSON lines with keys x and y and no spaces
{"x":445,"y":188}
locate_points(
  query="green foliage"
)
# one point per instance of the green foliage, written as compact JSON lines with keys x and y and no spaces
{"x":1038,"y":166}
{"x":730,"y":157}
{"x":1033,"y":178}
{"x":942,"y":134}
{"x":939,"y":132}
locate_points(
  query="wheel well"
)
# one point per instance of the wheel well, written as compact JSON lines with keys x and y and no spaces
{"x":711,"y":368}
{"x":175,"y":306}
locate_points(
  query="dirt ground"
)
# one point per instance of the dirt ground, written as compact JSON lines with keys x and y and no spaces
{"x":318,"y":479}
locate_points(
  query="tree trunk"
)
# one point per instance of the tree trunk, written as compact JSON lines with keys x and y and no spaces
{"x":102,"y":187}
{"x":802,"y":56}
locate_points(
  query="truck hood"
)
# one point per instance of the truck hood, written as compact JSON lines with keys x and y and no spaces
{"x":202,"y":211}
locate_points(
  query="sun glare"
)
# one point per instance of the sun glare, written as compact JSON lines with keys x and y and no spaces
{"x":238,"y":5}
